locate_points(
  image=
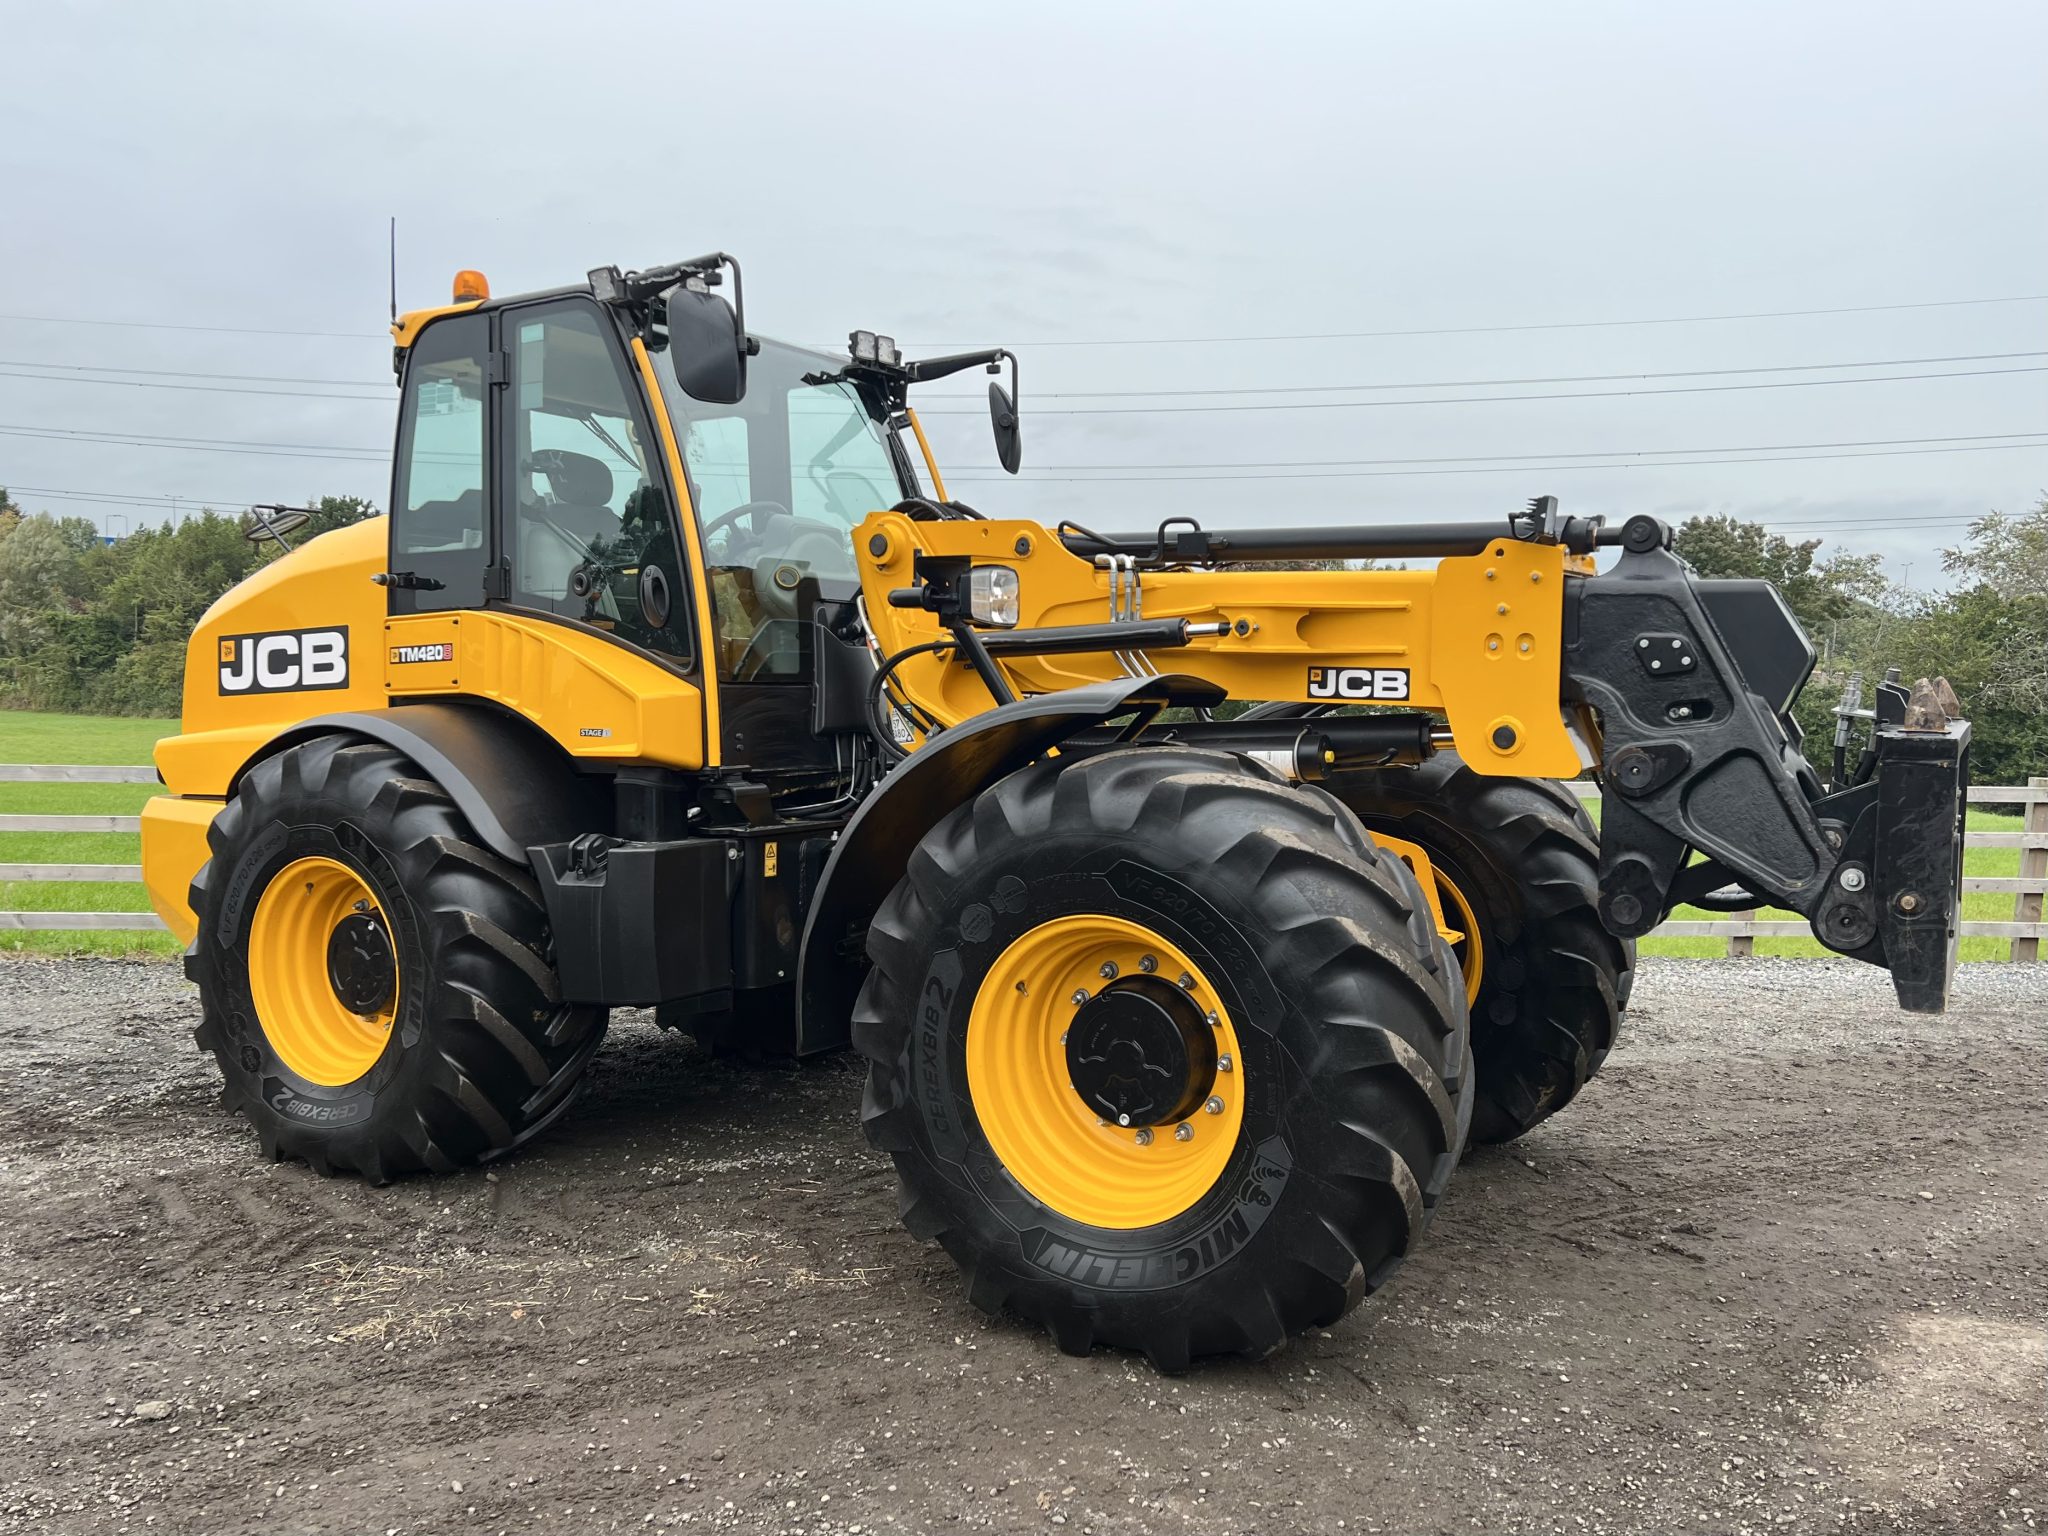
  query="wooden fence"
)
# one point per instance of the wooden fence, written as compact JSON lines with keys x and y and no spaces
{"x":2025,"y":931}
{"x":120,"y":874}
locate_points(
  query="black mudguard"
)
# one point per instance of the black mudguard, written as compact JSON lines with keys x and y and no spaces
{"x":511,"y":783}
{"x":874,"y":848}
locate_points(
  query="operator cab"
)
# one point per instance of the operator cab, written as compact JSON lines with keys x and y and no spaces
{"x":533,"y":475}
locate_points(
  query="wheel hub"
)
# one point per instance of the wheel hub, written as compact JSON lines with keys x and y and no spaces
{"x":361,"y":966}
{"x":323,"y":971}
{"x":1105,"y":1070}
{"x":1140,"y":1053}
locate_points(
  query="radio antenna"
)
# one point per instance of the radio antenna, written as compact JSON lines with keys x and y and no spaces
{"x":394,"y":269}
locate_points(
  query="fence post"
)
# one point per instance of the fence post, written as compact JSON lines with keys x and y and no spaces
{"x":1741,"y":944}
{"x":2026,"y":907}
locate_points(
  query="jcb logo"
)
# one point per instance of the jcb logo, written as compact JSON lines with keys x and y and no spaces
{"x":1371,"y":685}
{"x":284,"y":661}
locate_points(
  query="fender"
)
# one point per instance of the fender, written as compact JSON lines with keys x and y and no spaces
{"x":874,"y":847}
{"x":513,"y":785}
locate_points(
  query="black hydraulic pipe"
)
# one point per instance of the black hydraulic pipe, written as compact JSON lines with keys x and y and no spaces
{"x":1358,"y":741}
{"x":1390,"y":540}
{"x":1066,"y":639}
{"x":1311,"y":748}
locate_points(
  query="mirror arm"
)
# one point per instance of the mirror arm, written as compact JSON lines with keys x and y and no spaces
{"x":927,"y":369}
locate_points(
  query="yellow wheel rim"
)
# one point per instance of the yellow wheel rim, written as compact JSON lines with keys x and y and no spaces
{"x":1465,"y":941}
{"x":314,"y":1032}
{"x":1059,"y":1147}
{"x":1452,"y":913}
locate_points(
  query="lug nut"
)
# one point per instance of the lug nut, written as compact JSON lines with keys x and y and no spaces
{"x":1852,"y":879}
{"x":1145,"y":1136}
{"x":1063,"y":1037}
{"x":1108,"y":970}
{"x":1212,"y":1018}
{"x":1187,"y":982}
{"x":1149,"y":964}
{"x":1225,"y":1064}
{"x":1080,"y":996}
{"x":1214,"y":1106}
{"x":1183,"y":1132}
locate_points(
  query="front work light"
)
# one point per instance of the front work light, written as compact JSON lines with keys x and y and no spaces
{"x":471,"y":287}
{"x":992,"y":596}
{"x":867,"y":347}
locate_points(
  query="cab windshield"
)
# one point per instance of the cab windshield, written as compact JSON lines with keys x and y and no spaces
{"x":779,"y":482}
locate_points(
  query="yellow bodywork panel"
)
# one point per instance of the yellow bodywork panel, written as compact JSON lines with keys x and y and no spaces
{"x":1477,"y":639}
{"x":405,"y":330}
{"x":173,"y":848}
{"x":245,"y":682}
{"x":598,"y":700}
{"x":308,"y":635}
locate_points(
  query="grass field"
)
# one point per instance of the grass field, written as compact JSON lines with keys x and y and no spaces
{"x":45,"y":738}
{"x":1978,"y":907}
{"x":28,"y":737}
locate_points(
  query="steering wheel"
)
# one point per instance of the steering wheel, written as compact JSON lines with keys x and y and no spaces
{"x":747,"y":509}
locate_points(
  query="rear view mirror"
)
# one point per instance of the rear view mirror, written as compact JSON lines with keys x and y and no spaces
{"x":1002,"y":415}
{"x":264,"y":524}
{"x":705,"y":346}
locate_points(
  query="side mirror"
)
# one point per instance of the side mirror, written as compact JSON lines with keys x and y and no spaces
{"x":706,"y":347}
{"x":265,"y":524}
{"x":1002,"y":415}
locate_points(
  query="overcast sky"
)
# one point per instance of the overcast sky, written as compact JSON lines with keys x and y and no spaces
{"x":1045,"y":176}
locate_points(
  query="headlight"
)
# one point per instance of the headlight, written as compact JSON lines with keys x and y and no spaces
{"x":992,"y":596}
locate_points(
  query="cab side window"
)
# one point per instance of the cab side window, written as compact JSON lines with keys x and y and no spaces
{"x":439,"y":532}
{"x":588,"y":529}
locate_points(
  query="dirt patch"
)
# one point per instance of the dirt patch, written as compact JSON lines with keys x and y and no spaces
{"x":1783,"y":1267}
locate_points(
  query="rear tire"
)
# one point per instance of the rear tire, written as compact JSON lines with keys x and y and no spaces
{"x":475,"y":1053}
{"x":1346,"y":1105}
{"x":1552,"y":980}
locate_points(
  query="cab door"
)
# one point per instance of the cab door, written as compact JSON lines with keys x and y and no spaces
{"x":586,"y":523}
{"x":441,"y":546}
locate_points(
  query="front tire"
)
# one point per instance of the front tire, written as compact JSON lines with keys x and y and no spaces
{"x":1215,"y":956}
{"x":375,"y":984}
{"x":1518,"y":866}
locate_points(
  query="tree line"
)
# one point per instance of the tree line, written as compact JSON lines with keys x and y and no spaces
{"x":99,"y":627}
{"x":1987,"y":633}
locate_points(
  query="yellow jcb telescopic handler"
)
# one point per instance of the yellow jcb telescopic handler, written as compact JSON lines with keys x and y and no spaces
{"x":675,"y":678}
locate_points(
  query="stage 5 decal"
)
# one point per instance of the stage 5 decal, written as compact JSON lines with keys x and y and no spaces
{"x":284,"y":661}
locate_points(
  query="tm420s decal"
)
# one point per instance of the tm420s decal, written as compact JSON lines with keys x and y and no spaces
{"x":284,"y":661}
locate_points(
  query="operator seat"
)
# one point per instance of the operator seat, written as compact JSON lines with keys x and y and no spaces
{"x":555,"y":534}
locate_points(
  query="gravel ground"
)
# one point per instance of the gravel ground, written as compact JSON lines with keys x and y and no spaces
{"x":1783,"y":1267}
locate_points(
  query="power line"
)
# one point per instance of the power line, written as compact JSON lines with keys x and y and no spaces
{"x":1174,"y":341}
{"x":188,"y":373}
{"x":62,"y":493}
{"x":1567,"y":378}
{"x":211,"y":389}
{"x":1108,"y":474}
{"x":1116,"y":394}
{"x":1858,"y":523}
{"x":1495,"y":469}
{"x":1585,"y":453}
{"x":1490,"y":330}
{"x":166,"y":325}
{"x":227,"y":446}
{"x":1592,"y":394}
